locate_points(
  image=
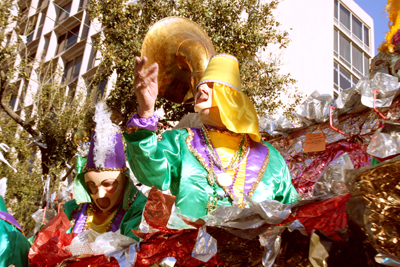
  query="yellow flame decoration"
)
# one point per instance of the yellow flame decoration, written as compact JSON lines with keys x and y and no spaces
{"x":393,"y":10}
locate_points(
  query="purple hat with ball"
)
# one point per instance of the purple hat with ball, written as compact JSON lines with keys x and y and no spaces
{"x":106,"y":152}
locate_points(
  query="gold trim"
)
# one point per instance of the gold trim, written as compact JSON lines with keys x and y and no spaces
{"x":133,"y":129}
{"x":210,"y":177}
{"x":261,"y":172}
{"x":106,"y":169}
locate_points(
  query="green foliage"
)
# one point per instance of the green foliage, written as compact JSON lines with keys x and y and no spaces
{"x":24,"y":191}
{"x":40,"y":135}
{"x":225,"y":23}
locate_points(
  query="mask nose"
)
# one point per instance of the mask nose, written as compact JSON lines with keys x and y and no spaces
{"x":101,"y":192}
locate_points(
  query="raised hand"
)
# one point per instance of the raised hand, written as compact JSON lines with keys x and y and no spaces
{"x":146,"y":87}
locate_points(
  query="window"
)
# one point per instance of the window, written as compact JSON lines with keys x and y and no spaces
{"x":46,"y":47}
{"x":357,"y":28}
{"x":92,"y":58}
{"x":8,"y":39}
{"x":335,"y":76}
{"x":82,"y":4}
{"x":86,"y":26}
{"x":67,"y":40}
{"x":100,"y":90}
{"x":64,"y":11}
{"x":43,"y":16}
{"x":336,"y":9}
{"x":357,"y":62}
{"x":72,"y":68}
{"x":366,"y":65}
{"x":342,"y":79}
{"x":366,"y":36}
{"x":345,"y":78}
{"x":335,"y":42}
{"x":345,"y":17}
{"x":344,"y":49}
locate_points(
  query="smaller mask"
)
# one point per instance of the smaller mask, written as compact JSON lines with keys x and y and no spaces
{"x":200,"y":95}
{"x":105,"y":188}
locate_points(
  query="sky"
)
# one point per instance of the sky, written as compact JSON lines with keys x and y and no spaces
{"x":376,"y":9}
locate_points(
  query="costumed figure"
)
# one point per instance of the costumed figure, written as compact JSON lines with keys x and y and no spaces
{"x":105,"y":197}
{"x":14,"y":246}
{"x":212,"y":165}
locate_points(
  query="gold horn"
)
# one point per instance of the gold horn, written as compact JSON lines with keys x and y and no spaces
{"x":182,"y":50}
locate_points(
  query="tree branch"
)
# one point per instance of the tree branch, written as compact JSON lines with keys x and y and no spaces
{"x":27,"y":127}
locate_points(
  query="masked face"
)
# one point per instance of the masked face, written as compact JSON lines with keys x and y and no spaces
{"x":208,"y":111}
{"x":105,"y":188}
{"x":203,"y":97}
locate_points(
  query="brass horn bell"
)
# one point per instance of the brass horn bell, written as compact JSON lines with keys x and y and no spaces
{"x":182,"y":50}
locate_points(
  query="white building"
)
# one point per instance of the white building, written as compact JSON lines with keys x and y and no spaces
{"x":60,"y":33}
{"x":326,"y":33}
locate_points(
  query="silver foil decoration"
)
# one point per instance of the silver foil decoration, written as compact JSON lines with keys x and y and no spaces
{"x":258,"y":214}
{"x":388,"y":260}
{"x":205,"y":247}
{"x":297,"y":225}
{"x":271,"y":241}
{"x":387,"y":85}
{"x":168,"y":262}
{"x":274,"y":125}
{"x":332,"y":181}
{"x":349,"y":101}
{"x":318,"y":255}
{"x":386,"y":141}
{"x":131,"y":253}
{"x":315,"y":109}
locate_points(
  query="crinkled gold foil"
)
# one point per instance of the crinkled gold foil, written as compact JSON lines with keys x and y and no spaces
{"x":379,"y":187}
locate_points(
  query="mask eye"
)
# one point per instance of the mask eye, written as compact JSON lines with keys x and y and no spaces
{"x":92,"y":188}
{"x":110,"y":185}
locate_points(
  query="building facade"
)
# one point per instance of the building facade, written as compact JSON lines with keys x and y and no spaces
{"x":59,"y":34}
{"x":322,"y":34}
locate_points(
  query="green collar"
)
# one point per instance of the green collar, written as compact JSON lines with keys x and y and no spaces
{"x":82,"y":195}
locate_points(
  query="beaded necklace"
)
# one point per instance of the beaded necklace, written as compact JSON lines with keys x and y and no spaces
{"x":241,"y":153}
{"x":90,"y":217}
{"x":235,"y":161}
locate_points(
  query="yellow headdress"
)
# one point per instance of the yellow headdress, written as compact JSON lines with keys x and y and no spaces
{"x":393,"y":10}
{"x":236,"y":110}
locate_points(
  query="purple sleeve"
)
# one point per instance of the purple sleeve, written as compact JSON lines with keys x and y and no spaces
{"x":144,"y":123}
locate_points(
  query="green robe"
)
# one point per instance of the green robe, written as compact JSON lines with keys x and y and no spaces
{"x":169,"y":164}
{"x":133,"y":202}
{"x":14,"y":246}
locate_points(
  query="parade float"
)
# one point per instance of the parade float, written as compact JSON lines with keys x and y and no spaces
{"x":344,"y":164}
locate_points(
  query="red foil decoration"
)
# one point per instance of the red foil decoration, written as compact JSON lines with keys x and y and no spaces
{"x":326,"y":215}
{"x":48,"y":249}
{"x":92,"y":261}
{"x":167,"y":242}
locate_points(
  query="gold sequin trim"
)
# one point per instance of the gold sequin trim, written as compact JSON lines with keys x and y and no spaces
{"x":133,"y":129}
{"x":210,"y":177}
{"x":260,"y":173}
{"x":106,"y":169}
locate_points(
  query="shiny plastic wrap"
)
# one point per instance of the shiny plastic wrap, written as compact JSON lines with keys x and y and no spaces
{"x":274,"y":125}
{"x":332,"y":181}
{"x":81,"y":244}
{"x":306,"y":168}
{"x":315,"y":109}
{"x":375,"y":205}
{"x":48,"y":249}
{"x":387,"y":85}
{"x":318,"y":254}
{"x":385,"y":141}
{"x":388,"y":260}
{"x":271,"y":241}
{"x":205,"y":247}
